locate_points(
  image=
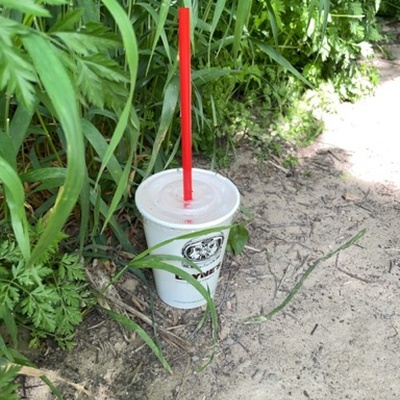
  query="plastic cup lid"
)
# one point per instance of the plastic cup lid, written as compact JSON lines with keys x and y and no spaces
{"x":215,"y":199}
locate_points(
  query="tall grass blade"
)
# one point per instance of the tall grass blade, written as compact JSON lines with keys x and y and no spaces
{"x":193,"y":5}
{"x":219,"y":8}
{"x":206,"y":75}
{"x":273,"y":22}
{"x":19,"y":126}
{"x":147,"y":260}
{"x":60,"y":90}
{"x":263,"y":318}
{"x":15,"y":198}
{"x":100,"y":145}
{"x":132,"y":58}
{"x":6,"y":351}
{"x":282,"y":61}
{"x":7,"y":150}
{"x":103,"y":209}
{"x":167,"y":114}
{"x":153,"y":262}
{"x":190,"y":235}
{"x":129,"y":324}
{"x":310,"y":11}
{"x":84,"y":200}
{"x":43,"y":174}
{"x":120,"y":190}
{"x":132,"y":55}
{"x":242,"y":16}
{"x":324,"y":6}
{"x":160,"y":22}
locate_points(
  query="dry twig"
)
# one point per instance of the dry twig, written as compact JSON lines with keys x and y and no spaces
{"x":110,"y":299}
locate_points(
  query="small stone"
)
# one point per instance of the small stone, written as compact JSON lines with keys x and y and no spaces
{"x":224,"y":332}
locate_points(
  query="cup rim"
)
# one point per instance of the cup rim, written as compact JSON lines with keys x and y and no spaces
{"x":224,"y":219}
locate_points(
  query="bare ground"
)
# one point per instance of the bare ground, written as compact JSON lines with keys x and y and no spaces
{"x":338,"y":338}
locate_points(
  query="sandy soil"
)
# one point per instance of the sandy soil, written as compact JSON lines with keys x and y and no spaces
{"x":338,"y":338}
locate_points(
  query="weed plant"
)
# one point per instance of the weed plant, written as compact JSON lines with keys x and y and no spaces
{"x":89,"y":107}
{"x":389,"y":8}
{"x":330,"y":43}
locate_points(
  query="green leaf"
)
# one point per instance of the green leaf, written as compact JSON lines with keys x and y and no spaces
{"x":15,"y":198}
{"x":60,"y":90}
{"x":16,"y":73}
{"x":39,"y":307}
{"x":71,"y":268}
{"x":129,"y":324}
{"x":67,"y":21}
{"x":238,"y":237}
{"x":93,"y":38}
{"x":191,"y":235}
{"x":153,"y":262}
{"x":7,"y":150}
{"x":282,"y":61}
{"x":132,"y":57}
{"x":19,"y":126}
{"x":219,"y":7}
{"x":57,"y":2}
{"x":6,"y":353}
{"x":120,"y":190}
{"x":8,"y":388}
{"x":97,"y":201}
{"x":44,"y":174}
{"x":242,"y":16}
{"x":91,"y":10}
{"x":27,"y":7}
{"x":9,"y":321}
{"x":96,"y":75}
{"x":86,"y":215}
{"x":265,"y":317}
{"x":324,"y":6}
{"x":100,"y":145}
{"x":167,"y":114}
{"x":206,"y":75}
{"x":160,"y":22}
{"x":67,"y":312}
{"x":273,"y":22}
{"x":132,"y":54}
{"x":9,"y":296}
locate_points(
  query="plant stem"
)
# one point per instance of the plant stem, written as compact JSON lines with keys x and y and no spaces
{"x":7,"y":115}
{"x":48,"y":136}
{"x":263,"y":318}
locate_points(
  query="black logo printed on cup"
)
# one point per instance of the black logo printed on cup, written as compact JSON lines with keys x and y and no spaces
{"x":204,"y":252}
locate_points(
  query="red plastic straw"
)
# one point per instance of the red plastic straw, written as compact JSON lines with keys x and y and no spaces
{"x":186,"y":97}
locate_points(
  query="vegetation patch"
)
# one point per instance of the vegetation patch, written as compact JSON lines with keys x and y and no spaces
{"x":89,"y":107}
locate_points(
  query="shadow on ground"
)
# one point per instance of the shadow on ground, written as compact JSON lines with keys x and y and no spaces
{"x":337,"y":339}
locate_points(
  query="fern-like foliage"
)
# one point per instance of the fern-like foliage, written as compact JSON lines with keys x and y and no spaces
{"x":86,"y":49}
{"x":99,"y":78}
{"x":16,"y":73}
{"x":47,"y":297}
{"x":7,"y":376}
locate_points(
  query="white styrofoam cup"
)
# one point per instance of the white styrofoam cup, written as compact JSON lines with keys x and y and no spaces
{"x":166,"y":215}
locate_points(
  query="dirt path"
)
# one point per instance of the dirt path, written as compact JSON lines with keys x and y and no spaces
{"x":339,"y":337}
